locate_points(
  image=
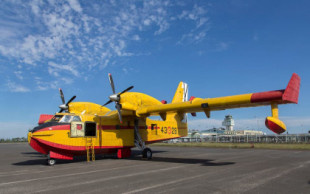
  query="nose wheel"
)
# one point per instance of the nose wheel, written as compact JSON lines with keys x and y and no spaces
{"x":51,"y":162}
{"x":147,"y":153}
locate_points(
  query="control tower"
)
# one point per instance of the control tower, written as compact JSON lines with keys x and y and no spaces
{"x":228,"y":123}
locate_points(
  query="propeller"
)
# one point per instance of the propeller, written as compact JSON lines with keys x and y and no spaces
{"x":64,"y":106}
{"x":116,"y":97}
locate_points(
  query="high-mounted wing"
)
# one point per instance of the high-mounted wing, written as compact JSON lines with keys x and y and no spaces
{"x":273,"y":98}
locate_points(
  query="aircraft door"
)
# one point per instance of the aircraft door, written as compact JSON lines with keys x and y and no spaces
{"x":77,"y":129}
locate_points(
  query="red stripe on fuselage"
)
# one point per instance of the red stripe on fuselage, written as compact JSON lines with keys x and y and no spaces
{"x":56,"y":127}
{"x":75,"y":148}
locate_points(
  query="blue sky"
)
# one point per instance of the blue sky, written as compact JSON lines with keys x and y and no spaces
{"x":219,"y":48}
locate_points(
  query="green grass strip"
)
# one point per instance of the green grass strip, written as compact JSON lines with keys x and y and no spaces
{"x":239,"y":145}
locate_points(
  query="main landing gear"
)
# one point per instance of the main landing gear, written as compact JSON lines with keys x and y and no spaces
{"x":147,"y":153}
{"x":139,"y":143}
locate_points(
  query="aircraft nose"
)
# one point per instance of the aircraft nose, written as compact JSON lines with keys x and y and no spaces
{"x":29,"y":136}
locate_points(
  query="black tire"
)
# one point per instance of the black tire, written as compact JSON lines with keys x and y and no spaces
{"x":147,"y":153}
{"x":51,"y":162}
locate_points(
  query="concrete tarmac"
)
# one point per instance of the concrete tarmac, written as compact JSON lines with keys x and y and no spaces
{"x":172,"y":170}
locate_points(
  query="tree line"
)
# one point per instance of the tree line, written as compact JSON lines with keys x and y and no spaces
{"x":13,"y":140}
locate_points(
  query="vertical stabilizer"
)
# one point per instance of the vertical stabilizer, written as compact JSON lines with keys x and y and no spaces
{"x":181,"y":94}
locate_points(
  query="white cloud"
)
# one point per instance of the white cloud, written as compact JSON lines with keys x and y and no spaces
{"x":19,"y":75}
{"x":55,"y":69}
{"x":203,"y":124}
{"x":13,"y":87}
{"x":75,"y":5}
{"x":221,"y":46}
{"x":136,"y":37}
{"x":37,"y":33}
{"x":14,"y":129}
{"x":198,"y":16}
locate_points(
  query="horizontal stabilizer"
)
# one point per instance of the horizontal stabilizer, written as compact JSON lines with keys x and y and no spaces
{"x":44,"y":117}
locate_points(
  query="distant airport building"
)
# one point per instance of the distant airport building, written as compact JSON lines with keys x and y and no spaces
{"x":212,"y":132}
{"x":193,"y":134}
{"x":228,"y":123}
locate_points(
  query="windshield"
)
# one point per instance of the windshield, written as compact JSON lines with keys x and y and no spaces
{"x":56,"y":118}
{"x":69,"y":118}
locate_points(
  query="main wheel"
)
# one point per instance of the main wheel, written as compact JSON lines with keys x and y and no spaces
{"x":51,"y":162}
{"x":147,"y":153}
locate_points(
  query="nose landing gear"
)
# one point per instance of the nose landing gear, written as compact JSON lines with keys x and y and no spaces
{"x":50,"y":161}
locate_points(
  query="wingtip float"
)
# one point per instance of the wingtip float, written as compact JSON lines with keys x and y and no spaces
{"x":84,"y":128}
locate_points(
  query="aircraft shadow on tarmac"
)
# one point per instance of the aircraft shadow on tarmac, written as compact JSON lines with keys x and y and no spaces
{"x":32,"y":154}
{"x":136,"y":155}
{"x":41,"y":159}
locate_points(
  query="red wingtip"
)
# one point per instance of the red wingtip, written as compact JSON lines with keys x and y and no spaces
{"x":291,"y":92}
{"x":275,"y":125}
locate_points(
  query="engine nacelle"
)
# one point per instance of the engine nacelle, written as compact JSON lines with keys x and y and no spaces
{"x":275,"y":125}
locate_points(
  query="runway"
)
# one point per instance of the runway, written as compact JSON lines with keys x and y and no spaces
{"x":172,"y":170}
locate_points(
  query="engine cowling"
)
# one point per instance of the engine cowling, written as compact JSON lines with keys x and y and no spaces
{"x":275,"y":125}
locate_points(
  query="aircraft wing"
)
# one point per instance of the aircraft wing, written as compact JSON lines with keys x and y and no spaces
{"x":273,"y":98}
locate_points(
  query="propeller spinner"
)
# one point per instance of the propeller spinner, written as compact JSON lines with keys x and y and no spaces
{"x":116,"y":97}
{"x":64,"y":106}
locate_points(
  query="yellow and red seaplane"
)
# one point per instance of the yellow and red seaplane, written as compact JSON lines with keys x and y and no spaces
{"x":85,"y":128}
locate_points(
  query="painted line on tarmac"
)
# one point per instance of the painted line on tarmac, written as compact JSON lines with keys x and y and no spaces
{"x":165,"y":184}
{"x":52,"y":169}
{"x":65,"y":175}
{"x":250,"y":181}
{"x":111,"y":178}
{"x":7,"y":173}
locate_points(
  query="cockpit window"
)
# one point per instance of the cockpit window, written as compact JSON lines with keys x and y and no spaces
{"x":66,"y":119}
{"x":56,"y":118}
{"x":76,"y":118}
{"x":69,"y":118}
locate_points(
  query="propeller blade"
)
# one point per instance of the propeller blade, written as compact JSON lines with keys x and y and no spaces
{"x":125,"y":90}
{"x":61,"y":110}
{"x":107,"y":102}
{"x":62,"y":96}
{"x":73,"y":97}
{"x":111,"y":83}
{"x":118,"y":107}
